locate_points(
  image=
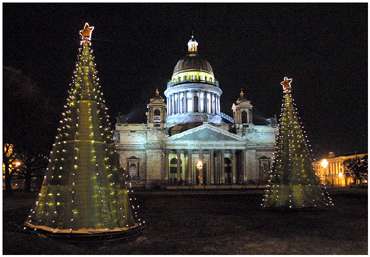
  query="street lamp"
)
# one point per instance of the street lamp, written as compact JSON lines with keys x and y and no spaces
{"x":324,"y":163}
{"x":199,"y":165}
{"x":16,"y":163}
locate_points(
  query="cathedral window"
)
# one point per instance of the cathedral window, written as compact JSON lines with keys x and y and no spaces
{"x":133,"y":166}
{"x":157,"y":112}
{"x":228,"y":170}
{"x":244,"y":117}
{"x":264,"y":168}
{"x":133,"y":170}
{"x":173,"y":171}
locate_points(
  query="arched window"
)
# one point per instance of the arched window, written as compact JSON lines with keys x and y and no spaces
{"x":133,"y":166}
{"x":172,"y":176}
{"x":196,"y":100}
{"x":264,"y":168}
{"x":244,"y":117}
{"x":173,"y":161}
{"x":157,"y":112}
{"x":132,"y":170}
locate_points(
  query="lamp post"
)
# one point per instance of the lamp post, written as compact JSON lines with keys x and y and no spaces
{"x":324,"y":163}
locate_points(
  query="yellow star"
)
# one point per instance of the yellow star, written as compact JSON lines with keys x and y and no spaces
{"x":86,"y":32}
{"x":286,"y":83}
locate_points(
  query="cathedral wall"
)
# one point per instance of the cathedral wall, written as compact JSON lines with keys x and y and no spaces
{"x":126,"y":155}
{"x":155,"y":136}
{"x":155,"y":160}
{"x":261,"y":135}
{"x":132,"y":134}
{"x":251,"y":165}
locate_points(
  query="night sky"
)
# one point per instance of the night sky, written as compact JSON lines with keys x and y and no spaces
{"x":322,"y":46}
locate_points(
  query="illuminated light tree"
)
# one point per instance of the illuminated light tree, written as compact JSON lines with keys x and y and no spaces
{"x":292,"y":182}
{"x":84,"y":192}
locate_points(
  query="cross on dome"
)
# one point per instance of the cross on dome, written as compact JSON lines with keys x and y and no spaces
{"x":86,"y":33}
{"x":241,"y":93}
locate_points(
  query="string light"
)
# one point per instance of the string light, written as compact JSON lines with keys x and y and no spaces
{"x":84,"y":134}
{"x":292,"y":182}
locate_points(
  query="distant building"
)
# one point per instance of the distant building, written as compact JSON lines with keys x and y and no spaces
{"x":331,"y":170}
{"x":188,"y":141}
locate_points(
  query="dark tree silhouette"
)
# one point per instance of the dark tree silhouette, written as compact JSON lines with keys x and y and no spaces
{"x":27,"y":119}
{"x":357,"y":169}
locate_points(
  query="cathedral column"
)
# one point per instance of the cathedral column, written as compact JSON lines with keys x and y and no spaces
{"x":168,"y":106}
{"x":200,"y":104}
{"x":172,"y":104}
{"x":214,"y":103}
{"x":217,"y":167}
{"x":190,"y":167}
{"x":208,"y":182}
{"x":201,"y":172}
{"x":218,"y":104}
{"x":166,"y":164}
{"x":234,"y":166}
{"x":179,"y":102}
{"x":205,"y":102}
{"x":244,"y":180}
{"x":211,"y":97}
{"x":211,"y":167}
{"x":178,"y":156}
{"x":222,"y":175}
{"x":187,"y":101}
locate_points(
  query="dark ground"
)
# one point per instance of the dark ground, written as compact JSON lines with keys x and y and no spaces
{"x":213,"y":224}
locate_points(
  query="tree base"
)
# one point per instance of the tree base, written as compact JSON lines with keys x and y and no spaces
{"x":81,"y":235}
{"x":296,"y":209}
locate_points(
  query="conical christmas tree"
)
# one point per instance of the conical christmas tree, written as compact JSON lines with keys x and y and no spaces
{"x":84,"y":191}
{"x":292,"y":182}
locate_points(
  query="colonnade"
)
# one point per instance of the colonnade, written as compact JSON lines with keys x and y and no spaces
{"x":203,"y":167}
{"x":193,"y":101}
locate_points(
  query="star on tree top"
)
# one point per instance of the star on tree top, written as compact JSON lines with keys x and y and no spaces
{"x":86,"y":33}
{"x":286,"y":83}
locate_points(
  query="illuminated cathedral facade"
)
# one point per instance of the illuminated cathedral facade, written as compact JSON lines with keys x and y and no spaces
{"x":188,"y":142}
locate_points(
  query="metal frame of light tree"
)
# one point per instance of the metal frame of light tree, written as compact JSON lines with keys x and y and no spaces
{"x":83,"y":191}
{"x":292,"y":181}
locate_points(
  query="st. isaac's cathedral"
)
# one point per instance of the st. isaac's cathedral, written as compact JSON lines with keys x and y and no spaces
{"x":188,"y":142}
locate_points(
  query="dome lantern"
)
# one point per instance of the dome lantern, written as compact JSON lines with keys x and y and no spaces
{"x":192,"y":45}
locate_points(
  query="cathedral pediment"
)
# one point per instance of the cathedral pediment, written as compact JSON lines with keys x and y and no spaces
{"x":206,"y":133}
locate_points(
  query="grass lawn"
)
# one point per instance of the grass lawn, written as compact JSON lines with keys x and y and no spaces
{"x":212,"y":224}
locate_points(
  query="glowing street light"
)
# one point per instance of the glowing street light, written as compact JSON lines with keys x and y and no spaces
{"x":324,"y":163}
{"x":199,"y":165}
{"x":16,"y":163}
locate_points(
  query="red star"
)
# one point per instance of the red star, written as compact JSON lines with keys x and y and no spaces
{"x":86,"y":32}
{"x":286,"y":83}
